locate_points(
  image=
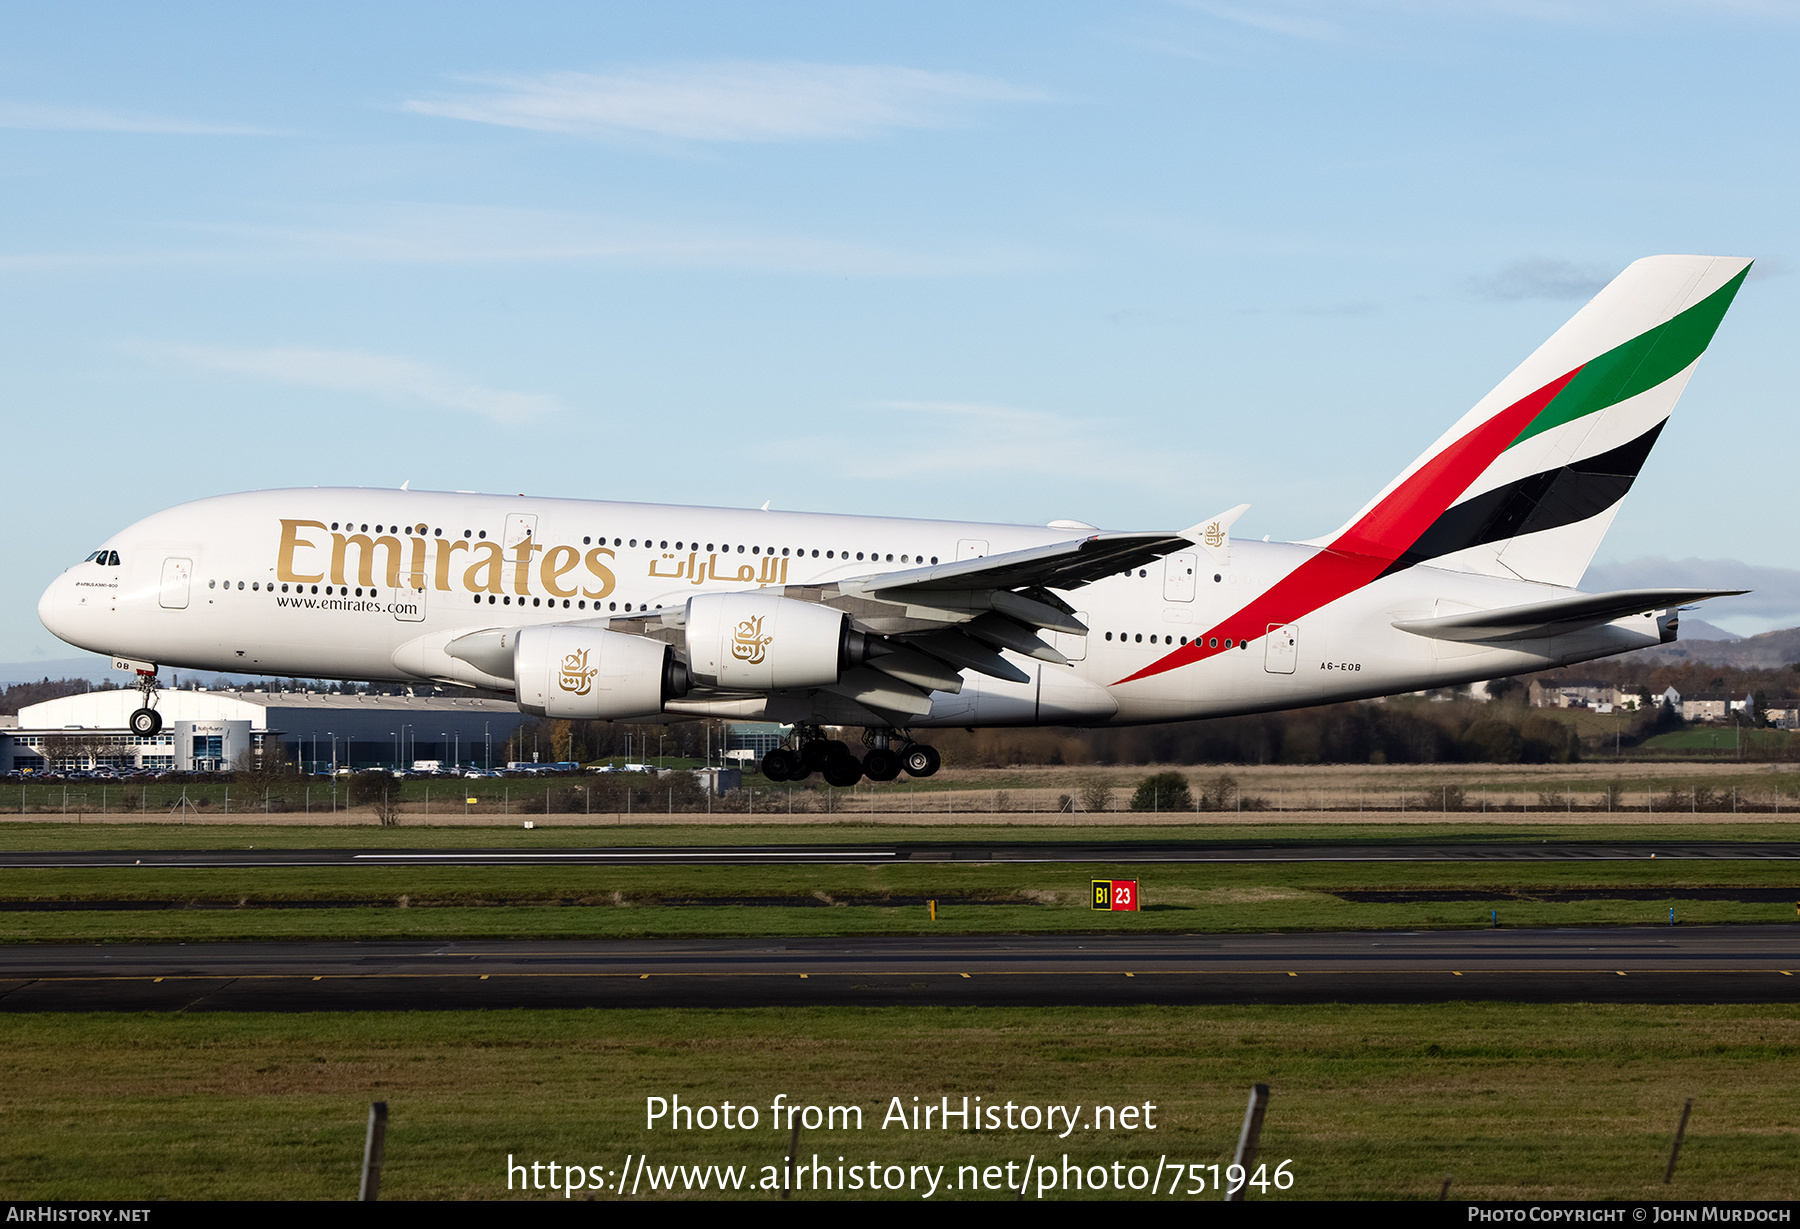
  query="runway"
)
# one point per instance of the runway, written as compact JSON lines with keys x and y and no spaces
{"x":877,"y":853}
{"x":1752,"y":964}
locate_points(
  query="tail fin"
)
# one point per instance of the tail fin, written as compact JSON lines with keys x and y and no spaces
{"x":1527,"y":483}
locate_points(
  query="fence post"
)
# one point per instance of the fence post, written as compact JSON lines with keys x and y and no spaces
{"x":1669,"y":1173}
{"x":374,"y":1150}
{"x":787,"y":1184}
{"x":1248,"y":1138}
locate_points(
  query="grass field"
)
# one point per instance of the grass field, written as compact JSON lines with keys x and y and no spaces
{"x":973,"y":897}
{"x":1559,"y":1102}
{"x":1646,"y":788}
{"x":1540,"y":1102}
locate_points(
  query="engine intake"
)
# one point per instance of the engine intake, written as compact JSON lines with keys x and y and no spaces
{"x":759,"y":642}
{"x":584,"y":673}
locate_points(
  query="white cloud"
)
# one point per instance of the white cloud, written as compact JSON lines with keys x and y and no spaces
{"x":1386,"y":26}
{"x":453,"y":234}
{"x":1543,"y":279}
{"x":43,"y":118}
{"x":437,"y":234}
{"x":951,"y":439}
{"x":734,"y":101}
{"x":393,"y":381}
{"x":1286,"y":20}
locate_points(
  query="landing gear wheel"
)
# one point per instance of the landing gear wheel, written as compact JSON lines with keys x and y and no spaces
{"x":779,"y":765}
{"x":881,"y":764}
{"x":814,"y":754}
{"x":146,"y":723}
{"x":920,"y":760}
{"x":843,"y":770}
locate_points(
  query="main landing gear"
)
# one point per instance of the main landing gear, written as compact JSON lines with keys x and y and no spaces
{"x":831,"y":758}
{"x":145,"y":721}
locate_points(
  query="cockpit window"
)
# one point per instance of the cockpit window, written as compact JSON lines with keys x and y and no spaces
{"x":95,"y":556}
{"x":112,"y":558}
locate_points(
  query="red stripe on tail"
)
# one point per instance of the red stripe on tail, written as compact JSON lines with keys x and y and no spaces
{"x":1364,"y":550}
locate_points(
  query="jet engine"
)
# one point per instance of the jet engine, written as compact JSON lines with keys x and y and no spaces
{"x":759,"y":642}
{"x":585,"y":673}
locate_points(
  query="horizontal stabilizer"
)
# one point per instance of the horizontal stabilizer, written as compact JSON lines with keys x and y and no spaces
{"x":1554,"y":618}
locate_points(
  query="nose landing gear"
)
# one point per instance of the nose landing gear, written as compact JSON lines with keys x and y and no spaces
{"x":145,"y":721}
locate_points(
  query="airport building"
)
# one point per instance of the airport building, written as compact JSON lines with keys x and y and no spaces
{"x":207,"y":731}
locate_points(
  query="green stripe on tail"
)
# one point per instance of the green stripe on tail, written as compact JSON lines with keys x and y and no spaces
{"x":1640,"y":364}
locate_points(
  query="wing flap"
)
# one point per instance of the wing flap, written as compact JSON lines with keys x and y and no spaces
{"x":882,"y":692}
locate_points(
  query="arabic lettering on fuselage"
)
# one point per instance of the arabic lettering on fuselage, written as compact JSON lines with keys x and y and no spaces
{"x":697,"y":571}
{"x":312,"y":553}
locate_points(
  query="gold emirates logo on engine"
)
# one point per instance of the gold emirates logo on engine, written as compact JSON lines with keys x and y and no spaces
{"x":749,"y":644}
{"x":577,"y":677}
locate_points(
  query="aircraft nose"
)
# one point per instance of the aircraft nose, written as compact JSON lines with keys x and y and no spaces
{"x":53,"y":608}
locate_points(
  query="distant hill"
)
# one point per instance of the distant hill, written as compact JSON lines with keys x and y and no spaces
{"x":97,"y":669}
{"x":1771,"y":649}
{"x":1700,"y":629}
{"x":93,"y":667}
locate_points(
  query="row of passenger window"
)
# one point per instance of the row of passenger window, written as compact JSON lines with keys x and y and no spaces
{"x":1212,"y":642}
{"x":652,"y":544}
{"x":257,"y":586}
{"x":506,"y":600}
{"x":799,"y":552}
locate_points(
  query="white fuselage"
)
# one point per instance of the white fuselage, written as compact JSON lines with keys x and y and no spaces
{"x":371,"y":584}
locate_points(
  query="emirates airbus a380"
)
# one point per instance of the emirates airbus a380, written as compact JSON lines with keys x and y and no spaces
{"x":1463,"y":568}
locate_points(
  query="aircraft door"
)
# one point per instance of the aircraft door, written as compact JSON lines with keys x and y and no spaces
{"x":408,"y":603}
{"x":971,"y":548}
{"x":176,"y":574}
{"x":1178,"y":576}
{"x":1282,"y":649}
{"x":520,"y":527}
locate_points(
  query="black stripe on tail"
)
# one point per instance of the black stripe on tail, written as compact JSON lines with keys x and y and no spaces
{"x":1547,"y":500}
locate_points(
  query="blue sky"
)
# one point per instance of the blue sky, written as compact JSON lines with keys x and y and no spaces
{"x":1127,"y":263}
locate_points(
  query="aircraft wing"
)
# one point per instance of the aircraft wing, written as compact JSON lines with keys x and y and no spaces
{"x":929,"y":624}
{"x":1537,"y":620}
{"x":1060,"y":565}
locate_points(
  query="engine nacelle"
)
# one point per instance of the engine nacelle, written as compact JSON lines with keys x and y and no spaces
{"x":585,"y":673}
{"x":759,"y":642}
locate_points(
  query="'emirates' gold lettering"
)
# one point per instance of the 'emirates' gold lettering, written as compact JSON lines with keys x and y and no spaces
{"x":447,"y":547}
{"x":601,"y":572}
{"x":487,"y":574}
{"x":410,"y":558}
{"x":557,"y":560}
{"x":365,"y":552}
{"x":290,"y":539}
{"x":522,"y":566}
